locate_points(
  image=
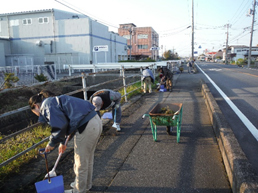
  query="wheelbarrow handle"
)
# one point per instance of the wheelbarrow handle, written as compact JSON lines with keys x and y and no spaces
{"x":144,"y":115}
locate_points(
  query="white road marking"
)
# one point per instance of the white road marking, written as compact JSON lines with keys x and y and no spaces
{"x":215,"y":69}
{"x":241,"y":116}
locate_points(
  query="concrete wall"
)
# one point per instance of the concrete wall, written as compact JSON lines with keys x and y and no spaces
{"x":240,"y":173}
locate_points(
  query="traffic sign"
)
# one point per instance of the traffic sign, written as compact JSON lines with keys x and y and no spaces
{"x":154,"y":48}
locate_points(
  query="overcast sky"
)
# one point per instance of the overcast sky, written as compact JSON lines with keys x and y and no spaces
{"x":169,"y":18}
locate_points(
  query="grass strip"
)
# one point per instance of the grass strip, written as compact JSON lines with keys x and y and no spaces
{"x":18,"y":144}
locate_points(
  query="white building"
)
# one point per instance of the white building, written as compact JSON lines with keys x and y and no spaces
{"x":37,"y":37}
{"x":241,"y":51}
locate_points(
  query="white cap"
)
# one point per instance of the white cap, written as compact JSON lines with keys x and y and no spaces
{"x":97,"y":102}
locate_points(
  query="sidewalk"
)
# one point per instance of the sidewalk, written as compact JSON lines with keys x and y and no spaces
{"x":132,"y":162}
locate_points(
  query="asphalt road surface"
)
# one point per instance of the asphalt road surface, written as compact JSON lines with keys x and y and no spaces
{"x":239,"y":104}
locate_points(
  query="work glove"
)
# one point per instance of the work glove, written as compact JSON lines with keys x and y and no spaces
{"x":117,"y":106}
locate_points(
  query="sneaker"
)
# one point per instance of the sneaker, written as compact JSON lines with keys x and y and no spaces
{"x":118,"y":127}
{"x":114,"y":125}
{"x":68,"y":191}
{"x":72,"y":184}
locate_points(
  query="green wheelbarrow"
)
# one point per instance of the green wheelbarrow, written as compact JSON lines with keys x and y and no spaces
{"x":168,"y":119}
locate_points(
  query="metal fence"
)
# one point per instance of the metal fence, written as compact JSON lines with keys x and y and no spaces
{"x":84,"y":89}
{"x":59,"y":69}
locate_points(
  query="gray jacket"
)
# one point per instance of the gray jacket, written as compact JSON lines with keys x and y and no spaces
{"x":146,"y":73}
{"x":65,"y":114}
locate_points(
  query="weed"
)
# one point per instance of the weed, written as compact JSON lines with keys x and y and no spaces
{"x":40,"y":77}
{"x":18,"y":144}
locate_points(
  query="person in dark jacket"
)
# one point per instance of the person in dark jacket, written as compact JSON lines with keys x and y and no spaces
{"x":67,"y":115}
{"x":167,"y":76}
{"x":105,"y":99}
{"x":147,"y":78}
{"x":190,"y":66}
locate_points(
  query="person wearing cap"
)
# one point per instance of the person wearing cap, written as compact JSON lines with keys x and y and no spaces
{"x":105,"y":99}
{"x":147,"y":78}
{"x":167,"y":76}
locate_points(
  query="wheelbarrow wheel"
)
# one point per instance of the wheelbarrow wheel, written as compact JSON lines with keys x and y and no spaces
{"x":169,"y":130}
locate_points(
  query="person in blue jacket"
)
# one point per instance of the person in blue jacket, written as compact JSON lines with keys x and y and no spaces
{"x":66,"y":116}
{"x":148,"y":79}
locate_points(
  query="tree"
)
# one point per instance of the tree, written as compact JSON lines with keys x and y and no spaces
{"x":9,"y":79}
{"x":169,"y":55}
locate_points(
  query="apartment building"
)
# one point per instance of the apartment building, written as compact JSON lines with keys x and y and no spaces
{"x":37,"y":37}
{"x":143,"y":42}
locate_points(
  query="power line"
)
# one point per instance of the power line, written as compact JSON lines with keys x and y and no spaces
{"x":236,"y":11}
{"x":66,"y":4}
{"x":241,"y":13}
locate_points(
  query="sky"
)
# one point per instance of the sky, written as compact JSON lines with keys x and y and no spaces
{"x":169,"y":18}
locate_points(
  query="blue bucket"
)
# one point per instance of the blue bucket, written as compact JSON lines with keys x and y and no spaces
{"x":56,"y":185}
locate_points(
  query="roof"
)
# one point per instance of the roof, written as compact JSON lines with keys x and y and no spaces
{"x":128,"y":24}
{"x":25,"y":12}
{"x":38,"y":11}
{"x":239,"y":46}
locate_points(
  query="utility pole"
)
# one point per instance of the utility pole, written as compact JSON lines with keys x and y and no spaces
{"x":226,"y":53}
{"x":251,"y":38}
{"x":192,"y":30}
{"x":130,"y":43}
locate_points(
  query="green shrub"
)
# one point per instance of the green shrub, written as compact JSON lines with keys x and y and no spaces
{"x":40,"y":77}
{"x":240,"y":61}
{"x":9,"y":79}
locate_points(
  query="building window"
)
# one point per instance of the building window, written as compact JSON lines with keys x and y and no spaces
{"x":43,"y":20}
{"x":142,"y":46}
{"x":27,"y":21}
{"x":142,"y":36}
{"x":14,"y":22}
{"x":126,"y":36}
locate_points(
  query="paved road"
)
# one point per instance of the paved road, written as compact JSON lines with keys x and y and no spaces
{"x":132,"y":162}
{"x":240,"y":86}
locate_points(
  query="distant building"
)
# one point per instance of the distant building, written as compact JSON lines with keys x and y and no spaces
{"x":240,"y":51}
{"x":141,"y":40}
{"x":37,"y":37}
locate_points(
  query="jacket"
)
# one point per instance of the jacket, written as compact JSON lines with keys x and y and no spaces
{"x":65,"y":114}
{"x":146,"y":73}
{"x":109,"y":98}
{"x":167,"y":73}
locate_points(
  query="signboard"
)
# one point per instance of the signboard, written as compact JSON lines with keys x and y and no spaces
{"x":103,"y":48}
{"x":143,"y":36}
{"x":154,"y":48}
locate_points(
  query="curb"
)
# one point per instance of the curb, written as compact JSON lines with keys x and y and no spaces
{"x":241,"y":175}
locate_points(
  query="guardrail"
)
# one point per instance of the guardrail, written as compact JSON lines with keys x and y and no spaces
{"x":105,"y":66}
{"x":26,"y":73}
{"x":84,"y":89}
